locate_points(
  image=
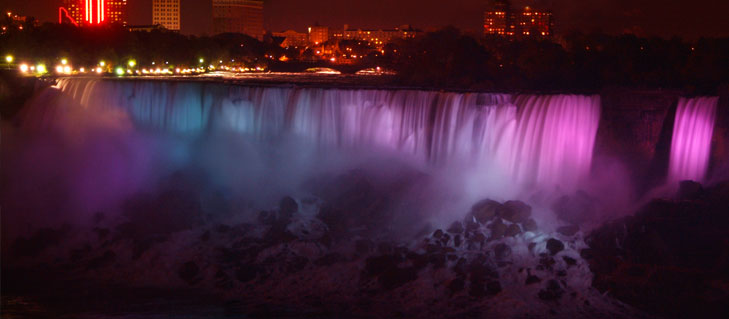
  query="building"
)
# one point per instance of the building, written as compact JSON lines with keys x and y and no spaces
{"x":318,"y":34}
{"x":498,"y":20}
{"x":91,"y":12}
{"x":166,"y":13}
{"x":377,"y":38}
{"x":293,"y":38}
{"x":501,"y":20}
{"x":534,"y":23}
{"x":238,"y":16}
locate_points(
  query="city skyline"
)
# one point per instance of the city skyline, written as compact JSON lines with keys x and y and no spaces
{"x":648,"y":18}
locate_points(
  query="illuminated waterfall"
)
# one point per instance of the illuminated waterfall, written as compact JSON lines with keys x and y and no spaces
{"x":692,"y":133}
{"x":531,"y":140}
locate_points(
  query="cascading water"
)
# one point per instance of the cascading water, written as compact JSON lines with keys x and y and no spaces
{"x":532,"y":140}
{"x":692,"y":134}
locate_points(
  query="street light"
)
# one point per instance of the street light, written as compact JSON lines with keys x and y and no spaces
{"x":9,"y":58}
{"x":132,"y":63}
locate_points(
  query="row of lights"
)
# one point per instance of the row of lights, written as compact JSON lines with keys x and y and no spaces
{"x":65,"y":68}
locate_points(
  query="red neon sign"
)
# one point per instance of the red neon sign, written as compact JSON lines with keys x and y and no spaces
{"x":95,"y":11}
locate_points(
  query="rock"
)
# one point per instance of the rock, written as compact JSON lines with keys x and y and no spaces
{"x":188,"y":272}
{"x":470,"y":225}
{"x":455,"y":228}
{"x":40,"y":241}
{"x":529,"y":225}
{"x":689,"y":190}
{"x":307,"y":228}
{"x":575,"y":209}
{"x":287,"y":207}
{"x":476,"y":241}
{"x":586,"y":253}
{"x":515,"y":211}
{"x":437,"y":234}
{"x":364,"y":246}
{"x":493,"y":287}
{"x":531,"y":279}
{"x":246,"y":273}
{"x":329,"y":259}
{"x":502,"y":251}
{"x":570,"y":230}
{"x":569,"y":261}
{"x":512,"y":230}
{"x":205,"y":236}
{"x":390,"y":276}
{"x":457,"y":241}
{"x":498,"y":229}
{"x":102,"y":261}
{"x":554,"y":246}
{"x":457,"y":285}
{"x":445,"y":239}
{"x":553,"y":291}
{"x":485,"y":210}
{"x":266,"y":217}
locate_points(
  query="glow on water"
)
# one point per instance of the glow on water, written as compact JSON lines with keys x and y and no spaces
{"x":692,"y":133}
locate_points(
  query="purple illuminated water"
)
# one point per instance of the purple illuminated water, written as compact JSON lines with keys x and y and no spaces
{"x":692,"y":133}
{"x":525,"y":140}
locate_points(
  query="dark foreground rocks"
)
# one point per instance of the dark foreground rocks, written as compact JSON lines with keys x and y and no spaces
{"x":333,"y":257}
{"x":671,"y":258}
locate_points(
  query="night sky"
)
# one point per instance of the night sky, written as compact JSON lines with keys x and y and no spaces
{"x":685,"y":18}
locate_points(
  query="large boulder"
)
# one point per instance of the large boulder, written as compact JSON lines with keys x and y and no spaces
{"x":485,"y":210}
{"x":515,"y":211}
{"x":575,"y":209}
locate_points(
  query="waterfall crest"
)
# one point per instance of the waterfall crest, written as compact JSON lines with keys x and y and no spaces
{"x":531,"y":140}
{"x":692,"y":134}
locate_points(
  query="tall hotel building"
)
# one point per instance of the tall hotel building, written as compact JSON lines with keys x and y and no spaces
{"x":90,"y":12}
{"x":238,"y":16}
{"x":166,"y":13}
{"x":502,"y":20}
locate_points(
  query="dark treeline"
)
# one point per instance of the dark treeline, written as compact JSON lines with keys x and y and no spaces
{"x":588,"y":62}
{"x":443,"y":59}
{"x":87,"y":46}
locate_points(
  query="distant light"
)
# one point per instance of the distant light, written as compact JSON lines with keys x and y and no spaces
{"x":119,"y":71}
{"x":41,"y":68}
{"x":177,"y":70}
{"x":24,"y":68}
{"x":99,"y":70}
{"x":153,"y":62}
{"x":59,"y":69}
{"x":102,"y":63}
{"x":9,"y":58}
{"x":82,"y":70}
{"x":67,"y":69}
{"x":202,"y":60}
{"x":132,"y":63}
{"x":64,"y":61}
{"x":333,"y":59}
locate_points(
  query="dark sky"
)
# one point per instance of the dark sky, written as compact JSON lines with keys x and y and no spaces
{"x":685,"y":18}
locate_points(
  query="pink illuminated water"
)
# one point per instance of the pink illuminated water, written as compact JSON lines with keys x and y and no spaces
{"x":522,"y":141}
{"x":692,"y":133}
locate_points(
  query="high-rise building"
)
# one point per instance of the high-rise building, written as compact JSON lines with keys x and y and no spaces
{"x":318,"y":34}
{"x":238,"y":16}
{"x":166,"y":13}
{"x":90,"y":12}
{"x":498,"y":19}
{"x":116,"y":11}
{"x":534,"y":23}
{"x":501,"y":20}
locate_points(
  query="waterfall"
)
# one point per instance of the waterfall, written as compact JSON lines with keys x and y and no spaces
{"x":532,"y":140}
{"x":691,"y":143}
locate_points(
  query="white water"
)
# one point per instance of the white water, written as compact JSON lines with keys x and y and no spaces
{"x":692,"y":133}
{"x":527,"y":141}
